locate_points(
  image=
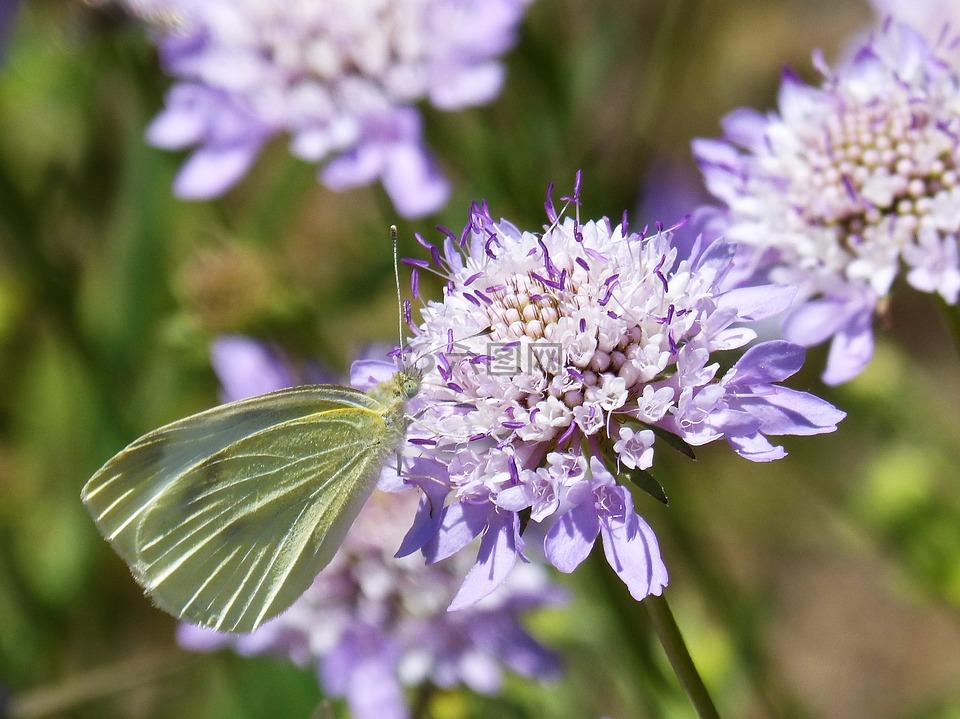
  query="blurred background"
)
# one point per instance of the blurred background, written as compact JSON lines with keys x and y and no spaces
{"x":823,"y":585}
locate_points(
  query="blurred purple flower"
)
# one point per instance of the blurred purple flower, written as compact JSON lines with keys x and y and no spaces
{"x":247,"y":367}
{"x":846,"y":185}
{"x":559,"y":355}
{"x":8,"y":14}
{"x":341,"y":79}
{"x":937,"y":20}
{"x":370,"y":623}
{"x":673,"y":192}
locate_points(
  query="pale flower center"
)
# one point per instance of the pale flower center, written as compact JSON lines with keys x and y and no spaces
{"x":876,"y":172}
{"x":525,"y":308}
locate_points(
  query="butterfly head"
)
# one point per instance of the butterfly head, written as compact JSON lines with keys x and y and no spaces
{"x":408,"y":381}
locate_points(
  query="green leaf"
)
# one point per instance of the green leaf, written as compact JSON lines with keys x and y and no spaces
{"x":645,"y":481}
{"x":524,"y":519}
{"x":675,"y":442}
{"x":639,"y":477}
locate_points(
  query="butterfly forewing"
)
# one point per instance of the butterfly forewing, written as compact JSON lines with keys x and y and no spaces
{"x":226,"y":517}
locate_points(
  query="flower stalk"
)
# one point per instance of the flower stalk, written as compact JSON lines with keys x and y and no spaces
{"x":676,"y":649}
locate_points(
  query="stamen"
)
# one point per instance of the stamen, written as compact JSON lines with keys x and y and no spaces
{"x":548,"y":205}
{"x":547,"y":262}
{"x":512,"y":469}
{"x":611,"y":286}
{"x":659,"y":274}
{"x":565,"y":437}
{"x":483,"y":297}
{"x":422,"y":442}
{"x":547,"y":283}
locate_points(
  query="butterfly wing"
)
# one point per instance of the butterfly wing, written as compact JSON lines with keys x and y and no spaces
{"x":226,"y":517}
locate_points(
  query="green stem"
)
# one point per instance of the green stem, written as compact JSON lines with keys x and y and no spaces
{"x":421,"y":704}
{"x":629,"y":620}
{"x":741,"y":614}
{"x":98,"y":683}
{"x":669,"y":634}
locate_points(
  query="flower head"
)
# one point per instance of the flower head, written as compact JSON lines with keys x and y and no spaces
{"x":341,"y":78}
{"x":847,"y":186}
{"x":562,"y":355}
{"x":371,"y":623}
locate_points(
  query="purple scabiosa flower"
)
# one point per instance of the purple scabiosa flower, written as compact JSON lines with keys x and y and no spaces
{"x":560,"y":357}
{"x":371,"y":624}
{"x":847,"y":186}
{"x":340,"y":78}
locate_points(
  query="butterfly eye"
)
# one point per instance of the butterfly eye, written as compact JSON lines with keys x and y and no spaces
{"x":411,"y":387}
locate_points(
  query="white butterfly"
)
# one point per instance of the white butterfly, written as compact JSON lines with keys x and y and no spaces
{"x":226,"y":517}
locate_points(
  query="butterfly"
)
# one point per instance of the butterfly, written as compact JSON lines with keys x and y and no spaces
{"x":226,"y":517}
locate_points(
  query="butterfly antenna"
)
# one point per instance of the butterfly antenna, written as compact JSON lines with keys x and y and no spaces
{"x":396,"y":277}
